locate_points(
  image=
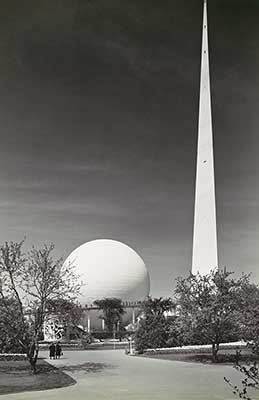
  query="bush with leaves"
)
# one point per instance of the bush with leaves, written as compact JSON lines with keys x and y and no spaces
{"x":154,"y":327}
{"x":250,"y":316}
{"x":153,"y":332}
{"x":177,"y":336}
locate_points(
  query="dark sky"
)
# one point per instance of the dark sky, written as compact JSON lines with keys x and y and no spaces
{"x":98,"y":126}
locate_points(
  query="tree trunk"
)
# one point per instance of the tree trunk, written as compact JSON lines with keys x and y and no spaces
{"x":68,"y":332}
{"x":33,"y":365}
{"x":215,"y":349}
{"x":114,"y":331}
{"x":32,"y":355}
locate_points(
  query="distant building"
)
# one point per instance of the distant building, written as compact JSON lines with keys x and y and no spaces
{"x":91,"y":323}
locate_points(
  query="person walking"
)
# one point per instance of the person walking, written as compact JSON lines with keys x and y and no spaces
{"x":58,"y":350}
{"x":52,"y":351}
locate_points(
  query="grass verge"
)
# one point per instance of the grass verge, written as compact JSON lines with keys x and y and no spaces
{"x":224,"y":357}
{"x":16,"y":376}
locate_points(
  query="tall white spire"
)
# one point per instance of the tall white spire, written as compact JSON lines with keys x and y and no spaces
{"x":205,"y":254}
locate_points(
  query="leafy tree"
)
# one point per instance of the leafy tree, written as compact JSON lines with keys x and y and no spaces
{"x":154,"y":326}
{"x":209,"y":308}
{"x":30,"y":281}
{"x":157,"y":306}
{"x":112,"y":311}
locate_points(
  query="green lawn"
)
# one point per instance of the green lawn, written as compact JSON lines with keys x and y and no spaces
{"x":16,"y":376}
{"x":224,"y":356}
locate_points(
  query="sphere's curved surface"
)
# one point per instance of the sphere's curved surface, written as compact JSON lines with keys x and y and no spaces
{"x":108,"y":268}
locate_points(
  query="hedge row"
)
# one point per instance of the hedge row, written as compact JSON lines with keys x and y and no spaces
{"x":195,"y":349}
{"x":12,"y":357}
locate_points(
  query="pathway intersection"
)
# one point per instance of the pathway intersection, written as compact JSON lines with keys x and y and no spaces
{"x":111,"y":375}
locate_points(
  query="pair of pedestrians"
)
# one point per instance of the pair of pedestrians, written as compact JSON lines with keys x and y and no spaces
{"x":55,"y":351}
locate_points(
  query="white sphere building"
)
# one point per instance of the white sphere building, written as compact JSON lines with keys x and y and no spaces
{"x":108,"y":268}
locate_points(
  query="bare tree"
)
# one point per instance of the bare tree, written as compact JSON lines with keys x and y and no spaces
{"x":29,"y":282}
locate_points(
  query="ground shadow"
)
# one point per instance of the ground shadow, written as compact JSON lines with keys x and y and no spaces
{"x":16,"y":376}
{"x":86,"y":367}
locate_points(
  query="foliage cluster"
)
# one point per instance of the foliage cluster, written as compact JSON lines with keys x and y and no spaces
{"x":207,"y":309}
{"x":29,"y":284}
{"x":154,"y":328}
{"x":112,"y":311}
{"x":210,"y":308}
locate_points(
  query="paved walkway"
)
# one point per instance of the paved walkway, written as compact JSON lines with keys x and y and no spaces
{"x":111,"y":375}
